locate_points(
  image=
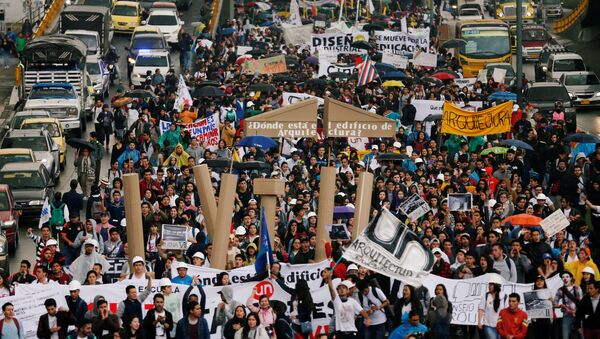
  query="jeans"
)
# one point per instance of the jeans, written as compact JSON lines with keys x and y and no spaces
{"x":375,"y":331}
{"x":489,"y":332}
{"x":567,"y":325}
{"x":185,"y":58}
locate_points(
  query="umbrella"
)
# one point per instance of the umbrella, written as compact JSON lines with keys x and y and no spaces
{"x":517,"y":143}
{"x":291,"y":61}
{"x":257,"y":52}
{"x":523,"y":220}
{"x":263,"y":6}
{"x":384,"y":68}
{"x":208,"y":91}
{"x":444,"y":75}
{"x":343,"y":212}
{"x":361,"y":45}
{"x":329,"y":5}
{"x":373,"y":27}
{"x":267,"y":88}
{"x":432,"y":81}
{"x":207,"y":83}
{"x":339,"y":75}
{"x":251,"y":165}
{"x":122,"y":102}
{"x":495,"y":150}
{"x":260,"y":141}
{"x":80,"y":143}
{"x":227,"y":31}
{"x":284,"y":78}
{"x":316,"y":83}
{"x":266,"y":23}
{"x":583,"y":138}
{"x":218,"y":163}
{"x":454,"y":43}
{"x":140,"y":94}
{"x":311,"y":60}
{"x":395,"y":75}
{"x":502,"y":96}
{"x":393,"y":83}
{"x":433,"y":117}
{"x":392,"y":157}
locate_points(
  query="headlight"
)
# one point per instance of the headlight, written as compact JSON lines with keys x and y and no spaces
{"x":35,"y":202}
{"x":499,"y":14}
{"x":131,"y":60}
{"x":72,"y":111}
{"x":597,"y":94}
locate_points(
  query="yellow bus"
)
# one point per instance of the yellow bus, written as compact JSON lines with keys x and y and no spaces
{"x":487,"y":41}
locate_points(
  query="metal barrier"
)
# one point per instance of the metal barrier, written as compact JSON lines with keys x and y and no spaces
{"x":49,"y":17}
{"x":561,"y":25}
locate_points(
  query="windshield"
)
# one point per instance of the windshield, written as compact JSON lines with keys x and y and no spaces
{"x":17,"y":120}
{"x":552,"y":94}
{"x":52,"y":128}
{"x":162,"y":20}
{"x":52,"y":93}
{"x":151,"y":61}
{"x":534,"y":35}
{"x":551,"y":2}
{"x":8,"y":158}
{"x":469,"y":12}
{"x":125,"y":11}
{"x":485,"y":43}
{"x":148,"y":43}
{"x":581,"y":79}
{"x":90,"y":41}
{"x":93,"y":68}
{"x":37,"y":144}
{"x":4,"y":204}
{"x":22,"y":180}
{"x":569,"y":65}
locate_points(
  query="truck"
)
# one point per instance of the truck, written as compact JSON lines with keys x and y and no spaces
{"x":91,"y":24}
{"x":56,"y":59}
{"x":535,"y":37}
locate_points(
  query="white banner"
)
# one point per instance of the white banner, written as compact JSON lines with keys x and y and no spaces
{"x":401,"y":43}
{"x":395,"y":60}
{"x":426,"y":107}
{"x":424,"y":59}
{"x":326,"y":68}
{"x":337,"y":42}
{"x":290,"y":98}
{"x":554,"y":223}
{"x":465,"y":82}
{"x":206,"y":129}
{"x":183,"y":97}
{"x":242,"y":50}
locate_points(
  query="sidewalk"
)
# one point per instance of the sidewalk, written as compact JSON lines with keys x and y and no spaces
{"x":7,"y":85}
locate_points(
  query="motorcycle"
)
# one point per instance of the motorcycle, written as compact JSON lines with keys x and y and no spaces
{"x":112,"y":59}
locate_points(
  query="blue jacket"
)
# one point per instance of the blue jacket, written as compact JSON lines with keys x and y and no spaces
{"x":182,"y":331}
{"x":407,"y":328}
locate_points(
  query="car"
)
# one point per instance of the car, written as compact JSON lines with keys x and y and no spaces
{"x":102,"y":3}
{"x":54,"y":128}
{"x":9,"y":155}
{"x":144,"y":38}
{"x":510,"y":75}
{"x":98,"y":75}
{"x":40,"y":142}
{"x":31,"y":185}
{"x":167,"y":21}
{"x":544,"y":95}
{"x":506,"y":10}
{"x":18,"y":117}
{"x":148,"y":4}
{"x":149,"y":61}
{"x":563,"y":63}
{"x":126,"y":16}
{"x":9,"y":217}
{"x":469,"y":13}
{"x":541,"y":64}
{"x":583,"y":87}
{"x":62,"y":101}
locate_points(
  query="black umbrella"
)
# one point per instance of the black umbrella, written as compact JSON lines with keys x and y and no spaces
{"x":291,"y":61}
{"x":140,"y":94}
{"x":373,"y":27}
{"x":257,"y":52}
{"x":432,"y":81}
{"x":251,"y":165}
{"x":361,"y":45}
{"x":391,"y":157}
{"x":316,"y":83}
{"x":80,"y":143}
{"x":267,"y":88}
{"x":284,"y":78}
{"x":433,"y":117}
{"x":207,"y":83}
{"x":454,"y":43}
{"x":517,"y":143}
{"x":208,"y":91}
{"x":218,"y":163}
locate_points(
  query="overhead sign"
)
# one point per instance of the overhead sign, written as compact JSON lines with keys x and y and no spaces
{"x":337,"y":42}
{"x":174,"y":237}
{"x":298,"y":120}
{"x":343,"y":120}
{"x":400,"y":42}
{"x":493,"y":120}
{"x":270,"y":65}
{"x":555,"y":223}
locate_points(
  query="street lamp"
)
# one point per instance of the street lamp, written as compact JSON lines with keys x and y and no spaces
{"x":519,"y":51}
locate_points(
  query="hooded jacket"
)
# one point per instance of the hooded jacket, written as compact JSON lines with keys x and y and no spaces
{"x":226,"y":313}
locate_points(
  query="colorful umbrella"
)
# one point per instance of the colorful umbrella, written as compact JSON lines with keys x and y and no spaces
{"x":444,"y":76}
{"x":523,"y":220}
{"x":393,"y":83}
{"x":583,"y":138}
{"x":260,"y":141}
{"x":502,"y":96}
{"x":343,"y":212}
{"x":517,"y":143}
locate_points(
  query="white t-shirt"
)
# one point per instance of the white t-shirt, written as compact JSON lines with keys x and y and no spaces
{"x":53,"y":321}
{"x":160,"y":329}
{"x":378,"y":317}
{"x":345,"y":313}
{"x":490,"y":317}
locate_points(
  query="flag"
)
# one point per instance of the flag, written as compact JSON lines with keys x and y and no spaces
{"x":295,"y":18}
{"x":183,"y":95}
{"x":46,"y":213}
{"x":366,"y":72}
{"x":371,"y":7}
{"x":265,"y":253}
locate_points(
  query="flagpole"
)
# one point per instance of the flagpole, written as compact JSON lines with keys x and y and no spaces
{"x":341,"y":9}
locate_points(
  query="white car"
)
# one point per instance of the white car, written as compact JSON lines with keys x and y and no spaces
{"x":98,"y":75}
{"x":583,"y":87}
{"x":150,"y":61}
{"x":469,"y":13}
{"x":167,"y":20}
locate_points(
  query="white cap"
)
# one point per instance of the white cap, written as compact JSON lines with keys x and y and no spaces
{"x":436,"y":250}
{"x":418,"y":161}
{"x":181,"y":264}
{"x":51,"y":242}
{"x":74,"y":285}
{"x":347,"y":283}
{"x":440,"y":176}
{"x":123,"y":222}
{"x":397,"y":144}
{"x":311,"y":214}
{"x":375,"y":147}
{"x":352,"y":267}
{"x":240,"y":230}
{"x":249,"y":104}
{"x":137,"y":259}
{"x":589,"y":270}
{"x":165,"y":282}
{"x":491,"y":203}
{"x":361,"y":163}
{"x":199,"y":255}
{"x":541,"y":196}
{"x":495,"y":278}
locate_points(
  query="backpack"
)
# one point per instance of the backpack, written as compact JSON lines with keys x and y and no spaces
{"x":16,"y":324}
{"x":287,"y":334}
{"x":58,"y":215}
{"x":96,"y":209}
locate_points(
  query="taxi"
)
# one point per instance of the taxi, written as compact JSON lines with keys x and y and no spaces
{"x":54,"y":128}
{"x":126,"y":16}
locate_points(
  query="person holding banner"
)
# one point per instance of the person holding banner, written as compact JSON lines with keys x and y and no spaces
{"x":489,"y":308}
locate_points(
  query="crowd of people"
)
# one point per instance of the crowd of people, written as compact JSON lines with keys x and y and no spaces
{"x":75,"y":251}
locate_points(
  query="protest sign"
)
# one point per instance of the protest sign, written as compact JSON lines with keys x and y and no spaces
{"x":395,"y":60}
{"x":326,"y":68}
{"x":465,"y":82}
{"x":401,"y":43}
{"x":338,"y":232}
{"x":493,"y":120}
{"x":343,"y":120}
{"x":426,"y":107}
{"x":298,"y":120}
{"x":388,"y":247}
{"x":290,"y":98}
{"x":359,"y":143}
{"x":174,"y":237}
{"x":272,"y":65}
{"x":414,"y":207}
{"x":554,"y":223}
{"x":242,"y":50}
{"x":460,"y":201}
{"x":424,"y":59}
{"x":337,"y":42}
{"x":205,"y":130}
{"x":499,"y":74}
{"x":538,"y":304}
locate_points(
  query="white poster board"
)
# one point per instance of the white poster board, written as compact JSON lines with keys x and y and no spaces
{"x":414,"y":207}
{"x":174,"y":237}
{"x":554,"y":223}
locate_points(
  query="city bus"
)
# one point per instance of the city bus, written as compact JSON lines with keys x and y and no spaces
{"x":487,"y":41}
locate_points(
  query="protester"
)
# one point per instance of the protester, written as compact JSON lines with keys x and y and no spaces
{"x":10,"y":327}
{"x":512,"y":321}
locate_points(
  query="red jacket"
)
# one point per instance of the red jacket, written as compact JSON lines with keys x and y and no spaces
{"x":144,"y":185}
{"x":512,"y":323}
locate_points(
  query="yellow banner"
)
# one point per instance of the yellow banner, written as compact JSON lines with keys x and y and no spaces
{"x":270,"y":65}
{"x":493,"y":120}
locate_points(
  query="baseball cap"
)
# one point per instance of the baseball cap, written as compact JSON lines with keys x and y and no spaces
{"x":547,"y":256}
{"x":436,"y":250}
{"x":311,"y":214}
{"x":240,"y":230}
{"x":89,"y":242}
{"x":589,"y":270}
{"x":541,"y":196}
{"x":252,"y":201}
{"x":74,"y":285}
{"x":418,"y":161}
{"x":374,"y":147}
{"x":397,"y":144}
{"x":361,"y":163}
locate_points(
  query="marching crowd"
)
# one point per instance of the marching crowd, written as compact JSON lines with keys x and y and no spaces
{"x":75,"y":250}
